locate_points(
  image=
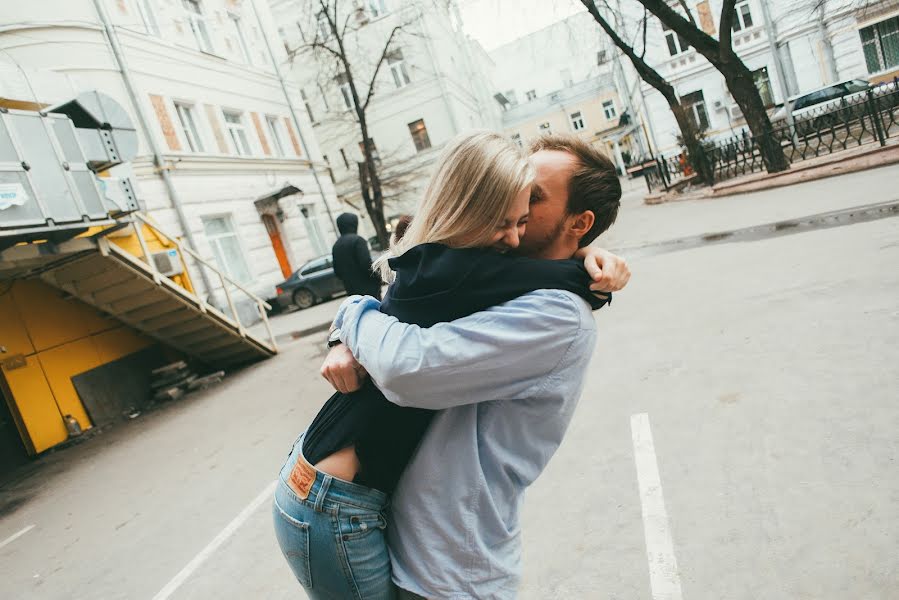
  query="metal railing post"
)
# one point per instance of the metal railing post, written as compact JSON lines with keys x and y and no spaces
{"x":230,"y":300}
{"x":874,"y":113}
{"x":268,"y":328}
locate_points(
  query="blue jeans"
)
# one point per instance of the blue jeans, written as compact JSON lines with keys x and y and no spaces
{"x":334,"y":538}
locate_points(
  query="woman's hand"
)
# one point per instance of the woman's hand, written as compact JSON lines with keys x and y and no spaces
{"x":609,"y":272}
{"x":342,"y":370}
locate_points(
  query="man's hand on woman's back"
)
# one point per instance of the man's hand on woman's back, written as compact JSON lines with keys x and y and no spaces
{"x":610,"y":272}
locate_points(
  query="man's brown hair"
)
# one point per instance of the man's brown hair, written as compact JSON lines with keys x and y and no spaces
{"x":594,"y":184}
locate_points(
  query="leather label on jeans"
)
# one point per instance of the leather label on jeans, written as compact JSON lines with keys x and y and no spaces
{"x":301,"y":479}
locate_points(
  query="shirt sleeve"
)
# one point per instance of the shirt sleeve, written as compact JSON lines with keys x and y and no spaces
{"x":508,"y":351}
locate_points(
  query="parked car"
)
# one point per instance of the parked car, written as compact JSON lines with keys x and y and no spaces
{"x":312,"y":283}
{"x":849,"y":90}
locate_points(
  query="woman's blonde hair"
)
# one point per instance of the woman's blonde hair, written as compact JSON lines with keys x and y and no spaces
{"x":477,"y":178}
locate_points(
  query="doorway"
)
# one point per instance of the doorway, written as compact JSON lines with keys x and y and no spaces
{"x":274,"y":234}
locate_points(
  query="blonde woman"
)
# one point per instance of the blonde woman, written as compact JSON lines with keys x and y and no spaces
{"x":329,"y":508}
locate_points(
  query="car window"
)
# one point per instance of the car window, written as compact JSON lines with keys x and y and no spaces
{"x":856,"y":85}
{"x":314,"y":266}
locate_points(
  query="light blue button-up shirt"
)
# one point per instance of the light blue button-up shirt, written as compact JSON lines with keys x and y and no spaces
{"x":509,"y":379}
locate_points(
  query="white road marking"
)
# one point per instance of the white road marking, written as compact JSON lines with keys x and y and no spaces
{"x":664,"y":578}
{"x":16,"y":536}
{"x":210,"y":548}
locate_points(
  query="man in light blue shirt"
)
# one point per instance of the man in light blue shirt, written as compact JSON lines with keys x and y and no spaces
{"x":506,"y":381}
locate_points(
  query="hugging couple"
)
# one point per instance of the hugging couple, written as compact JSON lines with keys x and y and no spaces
{"x":455,"y":391}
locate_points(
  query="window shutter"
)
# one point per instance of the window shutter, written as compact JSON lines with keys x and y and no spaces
{"x":168,"y":129}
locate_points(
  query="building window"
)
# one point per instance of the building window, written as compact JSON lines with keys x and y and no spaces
{"x":241,"y":39}
{"x":676,"y":44}
{"x":197,"y":24}
{"x":602,"y":57}
{"x":189,"y":126}
{"x":516,"y":139}
{"x":510,"y":96}
{"x":346,"y":163}
{"x":345,"y":92}
{"x":694,"y":104}
{"x":763,"y":83}
{"x":324,"y":28}
{"x":321,"y":90}
{"x":226,"y":247}
{"x":742,"y":17}
{"x":274,"y":129}
{"x":149,"y":16}
{"x":238,"y":132}
{"x":608,"y":108}
{"x":880,"y":43}
{"x":577,"y":121}
{"x":398,"y":69}
{"x":377,"y":8}
{"x":531,"y":95}
{"x":307,"y":105}
{"x":420,"y":135}
{"x":545,"y":128}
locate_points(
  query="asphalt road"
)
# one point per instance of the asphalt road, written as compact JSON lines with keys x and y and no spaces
{"x":765,"y":373}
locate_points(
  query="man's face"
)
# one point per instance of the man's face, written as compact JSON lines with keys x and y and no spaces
{"x":548,"y":204}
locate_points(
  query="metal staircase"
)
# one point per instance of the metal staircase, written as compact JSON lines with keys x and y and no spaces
{"x":100,"y":273}
{"x":58,"y":220}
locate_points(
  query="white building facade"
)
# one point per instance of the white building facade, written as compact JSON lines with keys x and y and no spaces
{"x":819,"y":44}
{"x":564,"y":79}
{"x":432,"y":87}
{"x":206,"y":98}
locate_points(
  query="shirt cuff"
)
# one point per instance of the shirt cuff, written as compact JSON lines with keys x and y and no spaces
{"x":349,"y":324}
{"x":338,"y":318}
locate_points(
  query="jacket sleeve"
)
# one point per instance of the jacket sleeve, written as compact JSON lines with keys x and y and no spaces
{"x":508,"y":351}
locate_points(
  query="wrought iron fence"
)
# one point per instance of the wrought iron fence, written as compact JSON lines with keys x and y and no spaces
{"x":870,"y":117}
{"x":865,"y":118}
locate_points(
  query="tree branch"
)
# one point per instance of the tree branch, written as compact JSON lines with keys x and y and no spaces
{"x":683,"y":5}
{"x":727,"y":28}
{"x":645,"y":24}
{"x":374,"y":77}
{"x":708,"y":46}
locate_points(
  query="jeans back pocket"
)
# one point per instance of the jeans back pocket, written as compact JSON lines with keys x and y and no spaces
{"x":293,"y":537}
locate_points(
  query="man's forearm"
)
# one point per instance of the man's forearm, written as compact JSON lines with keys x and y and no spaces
{"x":501,"y":352}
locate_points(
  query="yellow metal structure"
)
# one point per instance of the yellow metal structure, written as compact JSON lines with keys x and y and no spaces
{"x":56,"y":338}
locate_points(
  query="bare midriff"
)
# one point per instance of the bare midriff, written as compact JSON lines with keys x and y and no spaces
{"x":343,"y":464}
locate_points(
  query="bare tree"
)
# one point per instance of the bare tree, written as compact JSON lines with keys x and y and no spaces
{"x":738,"y":78}
{"x":689,"y":133}
{"x":329,"y":36}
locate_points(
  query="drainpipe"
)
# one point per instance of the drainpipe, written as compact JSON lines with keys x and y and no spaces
{"x":830,"y":65}
{"x":438,"y":72}
{"x":293,"y":114}
{"x":778,"y":67}
{"x":148,"y":135}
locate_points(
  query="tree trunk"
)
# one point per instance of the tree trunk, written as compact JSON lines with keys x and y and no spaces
{"x":696,"y":155}
{"x":372,"y":193}
{"x":741,"y":86}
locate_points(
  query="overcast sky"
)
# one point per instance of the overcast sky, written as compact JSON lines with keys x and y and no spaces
{"x":497,"y":22}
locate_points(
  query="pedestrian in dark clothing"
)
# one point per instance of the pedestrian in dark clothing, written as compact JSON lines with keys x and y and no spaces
{"x":352,"y":259}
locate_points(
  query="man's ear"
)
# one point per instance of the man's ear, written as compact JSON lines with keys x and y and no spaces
{"x":582,"y":224}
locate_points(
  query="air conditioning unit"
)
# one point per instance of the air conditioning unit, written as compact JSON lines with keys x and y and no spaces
{"x":168,"y":262}
{"x":718,"y":104}
{"x":734,"y":111}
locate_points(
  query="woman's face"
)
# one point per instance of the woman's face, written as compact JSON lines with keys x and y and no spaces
{"x":509,"y":232}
